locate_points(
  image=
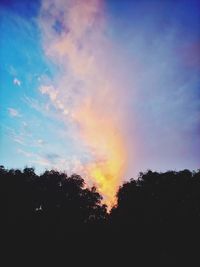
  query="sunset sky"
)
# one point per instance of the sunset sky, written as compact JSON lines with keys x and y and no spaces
{"x":102,"y":88}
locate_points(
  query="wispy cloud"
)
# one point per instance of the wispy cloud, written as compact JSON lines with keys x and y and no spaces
{"x":35,"y":158}
{"x":19,"y":138}
{"x":52,"y":161}
{"x":33,"y":103}
{"x":25,"y":153}
{"x":52,"y":156}
{"x":41,"y":142}
{"x":14,"y":112}
{"x":16,"y":82}
{"x":47,"y":109}
{"x":24,"y":137}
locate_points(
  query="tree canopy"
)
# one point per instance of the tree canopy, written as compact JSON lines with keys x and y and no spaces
{"x":158,"y":214}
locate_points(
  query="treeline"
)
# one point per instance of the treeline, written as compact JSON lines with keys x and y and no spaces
{"x":156,"y":219}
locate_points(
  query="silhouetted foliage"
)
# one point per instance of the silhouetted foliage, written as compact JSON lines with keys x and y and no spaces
{"x":157,"y":216}
{"x":159,"y":199}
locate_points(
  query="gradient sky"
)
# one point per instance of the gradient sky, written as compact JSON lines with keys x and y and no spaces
{"x":103,"y":88}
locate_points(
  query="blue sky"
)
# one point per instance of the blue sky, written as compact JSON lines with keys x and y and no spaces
{"x":154,"y":58}
{"x":22,"y":64}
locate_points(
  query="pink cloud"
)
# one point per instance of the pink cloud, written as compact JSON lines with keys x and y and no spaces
{"x":86,"y":94}
{"x":14,"y":112}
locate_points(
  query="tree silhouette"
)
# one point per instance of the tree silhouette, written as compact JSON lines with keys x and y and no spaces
{"x":156,"y":219}
{"x":160,"y":212}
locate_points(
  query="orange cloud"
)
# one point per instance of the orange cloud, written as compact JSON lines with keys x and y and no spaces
{"x":99,"y":130}
{"x":86,"y":93}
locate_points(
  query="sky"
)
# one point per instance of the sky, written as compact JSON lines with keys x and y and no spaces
{"x":103,"y":88}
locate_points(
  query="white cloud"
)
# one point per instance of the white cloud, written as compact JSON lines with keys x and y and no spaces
{"x":19,"y":140}
{"x":39,"y":106}
{"x":40,"y":142}
{"x":16,"y":82}
{"x":14,"y":112}
{"x":25,"y":153}
{"x":16,"y":137}
{"x":50,"y":90}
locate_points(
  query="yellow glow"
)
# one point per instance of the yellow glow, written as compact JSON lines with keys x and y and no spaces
{"x":100,"y":131}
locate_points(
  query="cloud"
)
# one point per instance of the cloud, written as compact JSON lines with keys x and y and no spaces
{"x":86,"y":95}
{"x":40,"y":142}
{"x":51,"y":161}
{"x":50,"y":90}
{"x":19,"y":138}
{"x":14,"y":112}
{"x":25,"y":153}
{"x":52,"y":156}
{"x":122,"y":91}
{"x":16,"y":82}
{"x":23,"y":136}
{"x":36,"y":158}
{"x":47,"y":109}
{"x":52,"y":93}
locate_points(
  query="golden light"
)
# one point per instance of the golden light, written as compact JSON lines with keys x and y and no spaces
{"x":100,"y":132}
